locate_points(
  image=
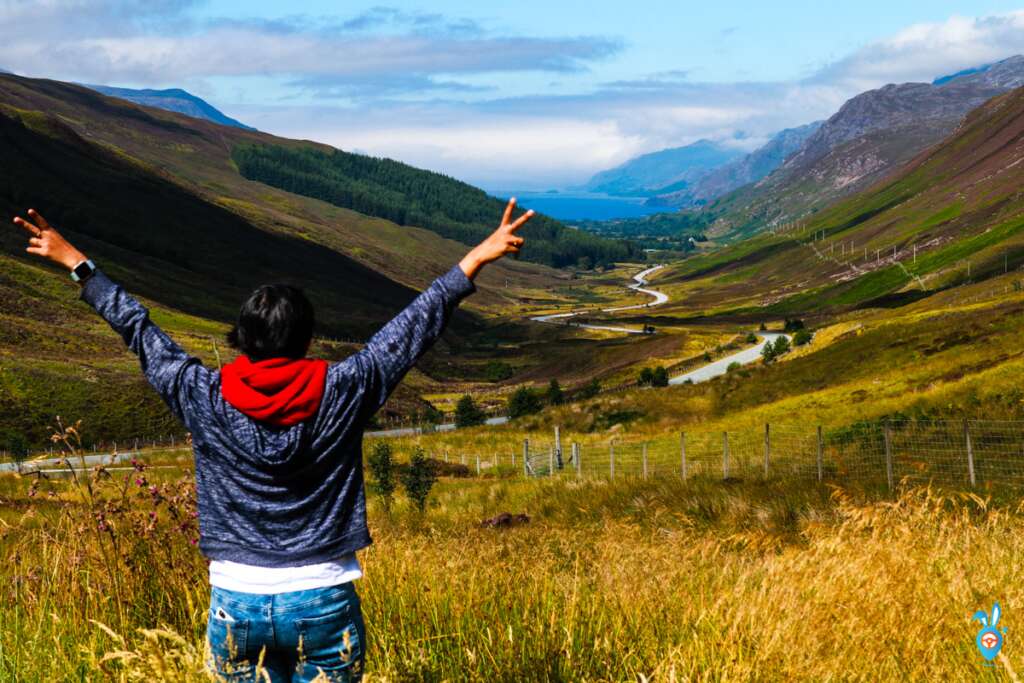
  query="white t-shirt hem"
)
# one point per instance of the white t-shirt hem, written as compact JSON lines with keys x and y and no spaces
{"x":246,"y":578}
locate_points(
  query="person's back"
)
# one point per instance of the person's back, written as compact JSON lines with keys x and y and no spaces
{"x":277,"y":439}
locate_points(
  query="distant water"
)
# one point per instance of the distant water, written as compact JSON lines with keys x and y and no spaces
{"x":575,"y":206}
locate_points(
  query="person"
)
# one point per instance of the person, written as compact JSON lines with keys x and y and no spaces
{"x":277,"y":441}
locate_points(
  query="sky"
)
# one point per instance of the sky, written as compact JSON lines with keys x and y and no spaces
{"x":524,"y":95}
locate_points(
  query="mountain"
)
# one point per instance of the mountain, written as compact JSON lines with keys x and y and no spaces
{"x":871,"y":135}
{"x":664,"y":171}
{"x":954,"y":214}
{"x":156,"y":200}
{"x":743,"y":171}
{"x":174,"y":99}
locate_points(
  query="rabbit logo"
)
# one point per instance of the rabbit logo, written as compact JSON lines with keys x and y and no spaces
{"x":990,"y":638}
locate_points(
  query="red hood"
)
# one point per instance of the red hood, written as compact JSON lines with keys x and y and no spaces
{"x":279,"y":391}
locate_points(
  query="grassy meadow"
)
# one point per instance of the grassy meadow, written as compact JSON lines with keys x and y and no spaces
{"x":609,"y":581}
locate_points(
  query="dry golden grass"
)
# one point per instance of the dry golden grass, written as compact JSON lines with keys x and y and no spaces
{"x":626,"y":581}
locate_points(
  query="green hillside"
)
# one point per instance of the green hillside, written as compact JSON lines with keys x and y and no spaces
{"x":156,"y":200}
{"x":410,"y":196}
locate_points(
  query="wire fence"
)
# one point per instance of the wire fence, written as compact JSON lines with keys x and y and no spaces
{"x":101,"y":447}
{"x":969,"y":453}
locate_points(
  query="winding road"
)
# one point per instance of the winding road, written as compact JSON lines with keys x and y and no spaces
{"x":721,"y":366}
{"x":638,"y":286}
{"x":701,"y":374}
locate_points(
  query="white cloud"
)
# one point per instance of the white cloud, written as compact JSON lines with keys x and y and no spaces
{"x":922,"y":52}
{"x":428,"y":89}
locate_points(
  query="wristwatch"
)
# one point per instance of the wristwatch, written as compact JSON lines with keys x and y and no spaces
{"x":83,"y":271}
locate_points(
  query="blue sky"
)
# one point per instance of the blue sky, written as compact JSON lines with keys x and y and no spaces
{"x":515,"y":96}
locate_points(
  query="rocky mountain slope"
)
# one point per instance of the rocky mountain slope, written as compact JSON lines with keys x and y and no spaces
{"x":954,"y":214}
{"x":667,"y":170}
{"x":870,"y":136}
{"x":743,"y":171}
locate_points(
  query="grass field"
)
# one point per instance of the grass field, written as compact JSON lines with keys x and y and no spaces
{"x":660,"y":580}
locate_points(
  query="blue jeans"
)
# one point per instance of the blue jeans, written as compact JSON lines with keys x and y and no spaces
{"x":294,"y":636}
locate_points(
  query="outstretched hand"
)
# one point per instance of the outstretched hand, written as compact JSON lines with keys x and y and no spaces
{"x":45,"y":241}
{"x":502,"y":241}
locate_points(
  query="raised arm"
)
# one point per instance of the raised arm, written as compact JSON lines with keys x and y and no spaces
{"x":171,"y":371}
{"x":392,"y":352}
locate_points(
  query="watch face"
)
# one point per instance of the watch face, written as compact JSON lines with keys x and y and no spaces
{"x":83,"y":270}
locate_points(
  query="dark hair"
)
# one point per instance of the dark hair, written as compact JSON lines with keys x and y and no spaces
{"x":276,"y":321}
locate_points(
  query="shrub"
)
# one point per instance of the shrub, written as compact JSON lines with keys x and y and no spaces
{"x":763,"y":328}
{"x":383,"y":471}
{"x":733,"y":366}
{"x":590,"y":389}
{"x":523,"y":401}
{"x":781,"y":346}
{"x":707,"y":356}
{"x":802,"y":337}
{"x":768,"y":352}
{"x":431,"y":415}
{"x":793,"y":325}
{"x":419,"y":479}
{"x":555,"y":396}
{"x":646,"y":377}
{"x":467,"y":413}
{"x":659,"y":377}
{"x":496,"y":371}
{"x":751,"y":338}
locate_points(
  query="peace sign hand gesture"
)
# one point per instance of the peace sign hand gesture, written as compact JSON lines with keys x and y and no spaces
{"x":45,"y":241}
{"x":502,"y":241}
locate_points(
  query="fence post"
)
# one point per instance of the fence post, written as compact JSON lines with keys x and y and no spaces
{"x":446,"y":455}
{"x":478,"y":465}
{"x":558,"y":446}
{"x":767,"y":448}
{"x":463,"y":458}
{"x":526,"y":457}
{"x":611,"y":460}
{"x":579,"y":459}
{"x":551,"y":461}
{"x":821,"y":448}
{"x":970,"y":453}
{"x":682,"y":453}
{"x":645,"y":459}
{"x":725,"y":455}
{"x":888,"y":455}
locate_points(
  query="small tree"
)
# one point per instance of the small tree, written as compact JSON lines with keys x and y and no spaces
{"x":383,"y":471}
{"x":467,"y":413}
{"x":802,"y":338}
{"x":707,"y":356}
{"x":751,"y":338}
{"x":590,"y":389}
{"x":781,"y":346}
{"x":431,"y":415}
{"x":496,"y":371}
{"x":419,"y":478}
{"x":768,"y":352}
{"x":763,"y":327}
{"x":646,"y":377}
{"x":555,"y":396}
{"x":659,"y":378}
{"x":523,"y":401}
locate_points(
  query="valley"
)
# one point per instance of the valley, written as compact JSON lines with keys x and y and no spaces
{"x":746,"y":405}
